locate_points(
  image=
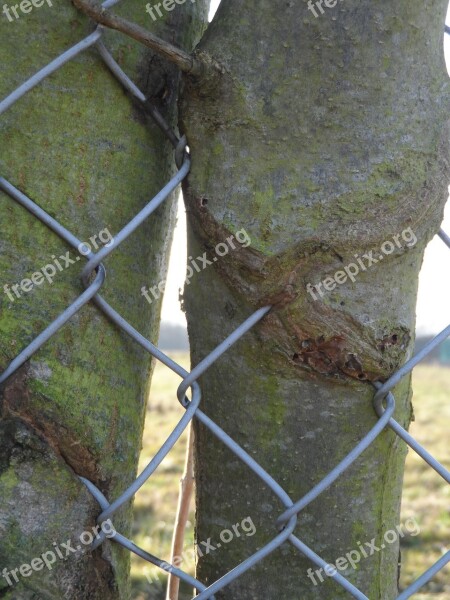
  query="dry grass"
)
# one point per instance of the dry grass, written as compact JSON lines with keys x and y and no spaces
{"x":156,"y":502}
{"x":426,"y":496}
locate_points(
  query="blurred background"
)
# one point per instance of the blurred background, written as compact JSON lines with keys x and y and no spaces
{"x":426,"y":496}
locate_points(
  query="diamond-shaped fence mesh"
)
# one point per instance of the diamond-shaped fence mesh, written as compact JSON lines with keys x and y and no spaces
{"x":384,"y":401}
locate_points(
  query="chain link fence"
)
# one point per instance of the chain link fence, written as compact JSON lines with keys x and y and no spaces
{"x":384,"y":401}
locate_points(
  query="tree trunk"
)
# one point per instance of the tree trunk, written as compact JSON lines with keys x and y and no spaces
{"x":92,"y":158}
{"x":323,"y":138}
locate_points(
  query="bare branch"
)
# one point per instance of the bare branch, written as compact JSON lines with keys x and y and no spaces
{"x":184,"y":502}
{"x":182,"y":59}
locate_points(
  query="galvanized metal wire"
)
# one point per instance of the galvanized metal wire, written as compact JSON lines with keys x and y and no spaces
{"x":284,"y":527}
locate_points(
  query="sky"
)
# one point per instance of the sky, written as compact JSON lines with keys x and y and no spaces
{"x":433,"y":313}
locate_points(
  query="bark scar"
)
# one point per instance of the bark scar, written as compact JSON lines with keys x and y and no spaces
{"x":15,"y":401}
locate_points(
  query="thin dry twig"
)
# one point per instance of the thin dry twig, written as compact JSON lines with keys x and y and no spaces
{"x":103,"y":16}
{"x":184,"y":501}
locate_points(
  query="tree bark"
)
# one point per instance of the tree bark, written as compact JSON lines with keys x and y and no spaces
{"x":92,"y":158}
{"x":324,"y":137}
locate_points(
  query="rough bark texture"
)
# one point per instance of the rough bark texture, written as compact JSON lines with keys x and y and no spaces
{"x":92,"y":158}
{"x":323,"y":138}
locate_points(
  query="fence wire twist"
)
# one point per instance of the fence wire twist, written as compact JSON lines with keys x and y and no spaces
{"x":286,"y":522}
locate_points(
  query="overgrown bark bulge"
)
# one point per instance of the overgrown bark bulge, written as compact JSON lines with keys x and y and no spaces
{"x":91,"y":157}
{"x":324,"y":138}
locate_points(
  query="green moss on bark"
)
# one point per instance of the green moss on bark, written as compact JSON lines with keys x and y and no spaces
{"x":81,"y":148}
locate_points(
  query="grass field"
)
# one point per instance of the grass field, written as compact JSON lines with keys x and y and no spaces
{"x":426,"y":496}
